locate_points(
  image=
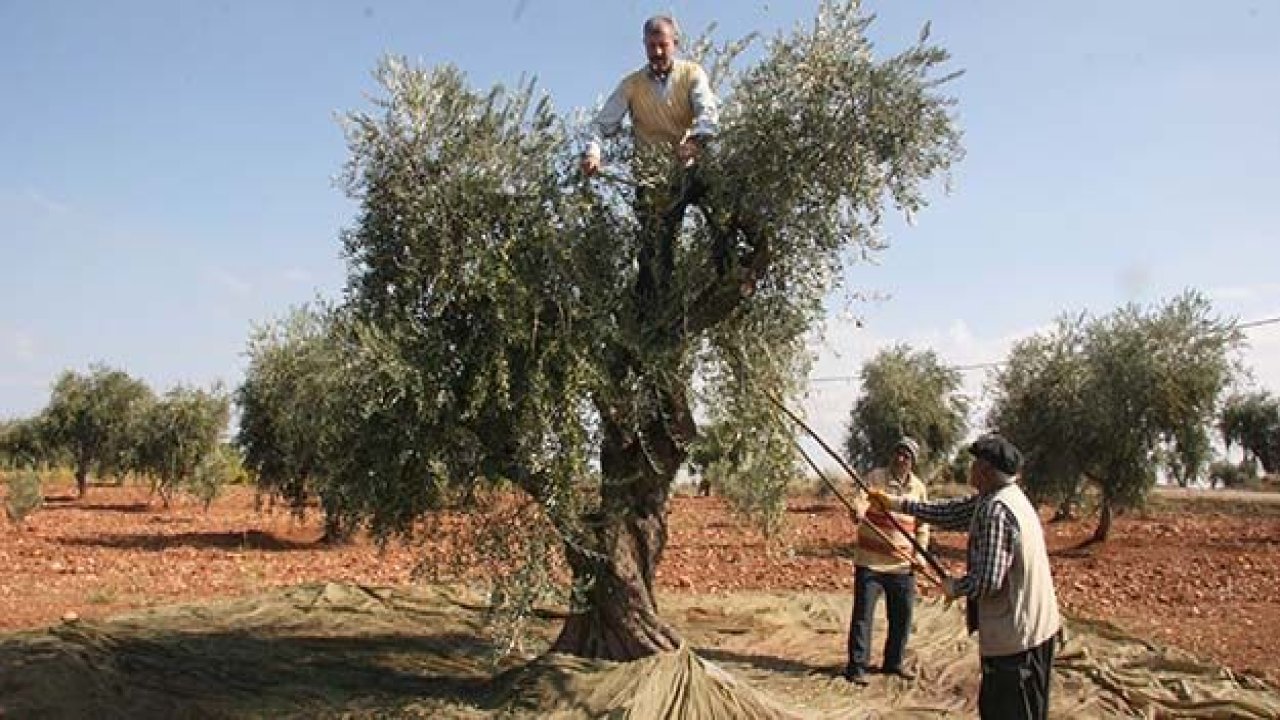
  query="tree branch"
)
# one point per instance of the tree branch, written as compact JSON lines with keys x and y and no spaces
{"x":720,"y":297}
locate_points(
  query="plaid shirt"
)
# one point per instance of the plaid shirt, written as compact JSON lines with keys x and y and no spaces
{"x":992,"y":538}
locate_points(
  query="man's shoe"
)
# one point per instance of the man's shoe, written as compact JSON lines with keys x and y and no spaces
{"x":857,"y":676}
{"x":903,"y":673}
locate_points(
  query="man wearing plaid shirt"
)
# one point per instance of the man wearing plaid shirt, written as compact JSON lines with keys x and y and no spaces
{"x":1007,"y":583}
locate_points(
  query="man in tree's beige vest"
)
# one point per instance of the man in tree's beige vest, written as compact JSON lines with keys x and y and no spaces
{"x":1007,"y":584}
{"x":670,"y":101}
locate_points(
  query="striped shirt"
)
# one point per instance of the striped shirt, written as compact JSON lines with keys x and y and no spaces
{"x":882,"y":547}
{"x":992,"y":539}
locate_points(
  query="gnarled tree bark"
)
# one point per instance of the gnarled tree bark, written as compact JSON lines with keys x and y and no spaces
{"x":616,"y":614}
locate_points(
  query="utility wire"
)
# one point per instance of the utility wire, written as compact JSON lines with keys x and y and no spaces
{"x":998,"y":363}
{"x":1256,"y":323}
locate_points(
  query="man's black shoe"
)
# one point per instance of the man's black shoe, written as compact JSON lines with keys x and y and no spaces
{"x":903,"y":673}
{"x":857,"y":676}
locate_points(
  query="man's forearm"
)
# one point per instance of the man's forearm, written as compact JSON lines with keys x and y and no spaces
{"x":948,"y":514}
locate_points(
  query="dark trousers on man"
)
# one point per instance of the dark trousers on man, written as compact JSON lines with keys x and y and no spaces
{"x":661,"y":213}
{"x":1016,"y":686}
{"x":899,"y":591}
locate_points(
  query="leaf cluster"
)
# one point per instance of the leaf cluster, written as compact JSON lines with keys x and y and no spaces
{"x":24,"y":496}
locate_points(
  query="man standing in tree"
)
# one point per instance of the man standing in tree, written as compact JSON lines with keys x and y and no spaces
{"x":1007,"y":583}
{"x":882,"y":566}
{"x":673,"y":111}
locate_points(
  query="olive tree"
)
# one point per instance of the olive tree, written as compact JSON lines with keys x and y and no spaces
{"x":1038,"y":404}
{"x":1116,"y":399}
{"x":500,"y":332}
{"x":287,"y":406}
{"x":24,"y":444}
{"x":88,"y":419}
{"x":906,"y":392}
{"x":1252,"y":421}
{"x":751,"y":464}
{"x":177,"y":440}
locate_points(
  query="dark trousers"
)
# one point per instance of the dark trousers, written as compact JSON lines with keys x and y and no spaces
{"x":1017,"y":686}
{"x":899,"y":592}
{"x":661,"y":213}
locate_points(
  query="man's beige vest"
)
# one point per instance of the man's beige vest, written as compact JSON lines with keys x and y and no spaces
{"x":659,"y":120}
{"x":1024,"y":614}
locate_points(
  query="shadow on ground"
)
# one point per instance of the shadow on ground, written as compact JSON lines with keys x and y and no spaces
{"x":232,"y":541}
{"x":328,"y":651}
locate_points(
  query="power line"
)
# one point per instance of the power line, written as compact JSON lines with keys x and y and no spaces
{"x":1256,"y":323}
{"x":998,"y":363}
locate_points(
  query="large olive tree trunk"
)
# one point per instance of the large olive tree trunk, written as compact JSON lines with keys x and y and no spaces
{"x":617,"y":618}
{"x":616,"y":615}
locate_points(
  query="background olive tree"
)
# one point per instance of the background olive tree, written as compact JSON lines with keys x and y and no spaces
{"x":289,"y":403}
{"x":89,"y":419}
{"x":24,"y":443}
{"x":176,"y":435}
{"x":1252,"y":421}
{"x":496,"y":335}
{"x":1115,"y":399}
{"x":906,"y":392}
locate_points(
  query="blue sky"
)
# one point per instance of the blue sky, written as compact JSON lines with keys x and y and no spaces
{"x":166,"y":167}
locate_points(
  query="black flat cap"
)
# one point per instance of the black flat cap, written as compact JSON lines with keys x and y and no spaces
{"x":999,"y":452}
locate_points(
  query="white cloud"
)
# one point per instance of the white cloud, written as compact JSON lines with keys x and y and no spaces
{"x":297,"y":275}
{"x":1262,"y":356}
{"x":24,"y":345}
{"x":22,"y":202}
{"x":233,"y":284}
{"x":18,"y":344}
{"x":24,"y":384}
{"x":1240,"y":294}
{"x":46,"y":203}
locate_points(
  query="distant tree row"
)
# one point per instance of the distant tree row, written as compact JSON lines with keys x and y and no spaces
{"x":1112,"y":400}
{"x":105,"y":423}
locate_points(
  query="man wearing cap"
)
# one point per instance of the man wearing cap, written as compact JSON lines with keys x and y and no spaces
{"x":884,"y":565}
{"x":1007,"y":583}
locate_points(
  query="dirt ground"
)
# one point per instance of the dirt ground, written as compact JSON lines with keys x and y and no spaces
{"x":1196,"y":574}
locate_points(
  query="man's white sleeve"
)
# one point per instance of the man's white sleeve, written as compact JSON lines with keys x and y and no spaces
{"x":608,"y":121}
{"x":706,"y":108}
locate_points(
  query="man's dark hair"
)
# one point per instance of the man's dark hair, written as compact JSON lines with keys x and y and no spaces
{"x":656,"y":22}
